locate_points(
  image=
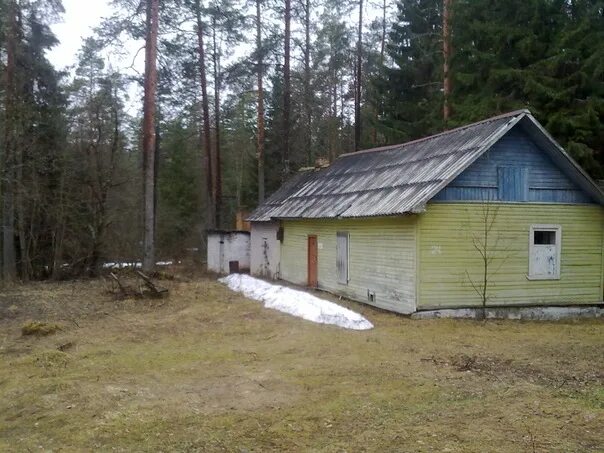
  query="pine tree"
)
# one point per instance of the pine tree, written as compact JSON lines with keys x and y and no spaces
{"x":149,"y":135}
{"x":210,"y":156}
{"x":287,"y":17}
{"x":260,"y":102}
{"x":33,"y":138}
{"x":411,"y":86}
{"x":97,"y":147}
{"x":536,"y":54}
{"x":568,"y":90}
{"x":358,"y":81}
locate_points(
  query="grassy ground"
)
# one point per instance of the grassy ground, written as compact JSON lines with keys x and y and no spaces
{"x":208,"y":370}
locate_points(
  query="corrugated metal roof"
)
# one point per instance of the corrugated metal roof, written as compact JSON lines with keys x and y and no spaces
{"x":389,"y":180}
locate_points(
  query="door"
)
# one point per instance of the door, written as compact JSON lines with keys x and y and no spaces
{"x":312,"y":261}
{"x":221,"y":264}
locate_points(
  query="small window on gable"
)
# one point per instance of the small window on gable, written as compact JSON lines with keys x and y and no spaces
{"x":512,"y":183}
{"x":342,"y":252}
{"x":544,"y":252}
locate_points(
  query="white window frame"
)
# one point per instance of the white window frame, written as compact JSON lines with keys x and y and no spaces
{"x":557,"y":229}
{"x":347,"y":277}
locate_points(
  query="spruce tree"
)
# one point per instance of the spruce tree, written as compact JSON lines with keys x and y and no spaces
{"x":411,"y":85}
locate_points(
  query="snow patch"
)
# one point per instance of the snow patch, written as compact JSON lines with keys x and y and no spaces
{"x":134,"y":264}
{"x":122,"y":265}
{"x":296,"y":303}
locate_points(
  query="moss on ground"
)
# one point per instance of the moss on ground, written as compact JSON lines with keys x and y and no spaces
{"x":39,"y":328}
{"x":208,"y":370}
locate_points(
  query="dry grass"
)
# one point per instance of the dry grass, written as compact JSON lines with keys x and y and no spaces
{"x":207,"y":370}
{"x":38,"y":328}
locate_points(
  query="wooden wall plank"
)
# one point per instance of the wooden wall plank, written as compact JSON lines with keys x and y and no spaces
{"x":448,"y":259}
{"x":381,"y":258}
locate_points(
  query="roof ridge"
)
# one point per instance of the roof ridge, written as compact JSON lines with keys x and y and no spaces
{"x":429,"y":137}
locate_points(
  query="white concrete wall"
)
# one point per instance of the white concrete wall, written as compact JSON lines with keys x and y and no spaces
{"x":228,"y":246}
{"x":214,"y":252}
{"x":265,"y":250}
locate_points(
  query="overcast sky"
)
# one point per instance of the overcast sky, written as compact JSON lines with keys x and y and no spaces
{"x":78,"y":22}
{"x":80,"y":17}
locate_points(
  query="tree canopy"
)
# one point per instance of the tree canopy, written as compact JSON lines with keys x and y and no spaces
{"x":243,"y":100}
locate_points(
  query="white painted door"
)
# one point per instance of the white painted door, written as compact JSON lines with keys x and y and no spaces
{"x":545,"y":252}
{"x":545,"y":260}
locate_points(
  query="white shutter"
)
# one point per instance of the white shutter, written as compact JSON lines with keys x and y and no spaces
{"x":342,"y":246}
{"x":544,"y":252}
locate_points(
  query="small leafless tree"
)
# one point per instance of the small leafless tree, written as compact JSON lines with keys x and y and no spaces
{"x":488,"y":243}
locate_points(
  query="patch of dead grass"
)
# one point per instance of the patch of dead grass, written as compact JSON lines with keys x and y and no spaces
{"x":209,"y":370}
{"x":39,"y":328}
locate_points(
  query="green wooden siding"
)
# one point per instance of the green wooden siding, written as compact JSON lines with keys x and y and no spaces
{"x":449,"y":262}
{"x":382,"y":254}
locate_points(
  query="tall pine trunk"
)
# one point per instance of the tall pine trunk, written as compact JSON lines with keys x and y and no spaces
{"x":217,"y":183}
{"x":19,"y":191}
{"x":379,"y":106}
{"x":9,"y":256}
{"x":446,"y":60}
{"x":260,"y":70}
{"x":149,"y":109}
{"x":307,"y":93}
{"x":383,"y":40}
{"x":209,"y":160}
{"x":359,"y":71}
{"x":286,"y":90}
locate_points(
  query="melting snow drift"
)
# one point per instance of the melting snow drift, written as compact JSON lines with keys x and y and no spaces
{"x":297,"y":303}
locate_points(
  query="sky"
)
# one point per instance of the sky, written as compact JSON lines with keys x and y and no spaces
{"x":80,"y":17}
{"x":78,"y":22}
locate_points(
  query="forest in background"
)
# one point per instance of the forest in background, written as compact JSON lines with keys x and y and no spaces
{"x":240,"y":94}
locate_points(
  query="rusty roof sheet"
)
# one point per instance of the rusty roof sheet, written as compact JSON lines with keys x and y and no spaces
{"x":385,"y":181}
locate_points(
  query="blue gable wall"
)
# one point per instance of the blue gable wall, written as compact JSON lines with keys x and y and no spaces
{"x":514,"y":169}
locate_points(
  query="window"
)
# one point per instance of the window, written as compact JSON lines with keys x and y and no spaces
{"x":342,"y":252}
{"x":512,"y":183}
{"x":544,"y":252}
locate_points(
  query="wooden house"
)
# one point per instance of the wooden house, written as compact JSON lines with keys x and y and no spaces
{"x":495,"y":212}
